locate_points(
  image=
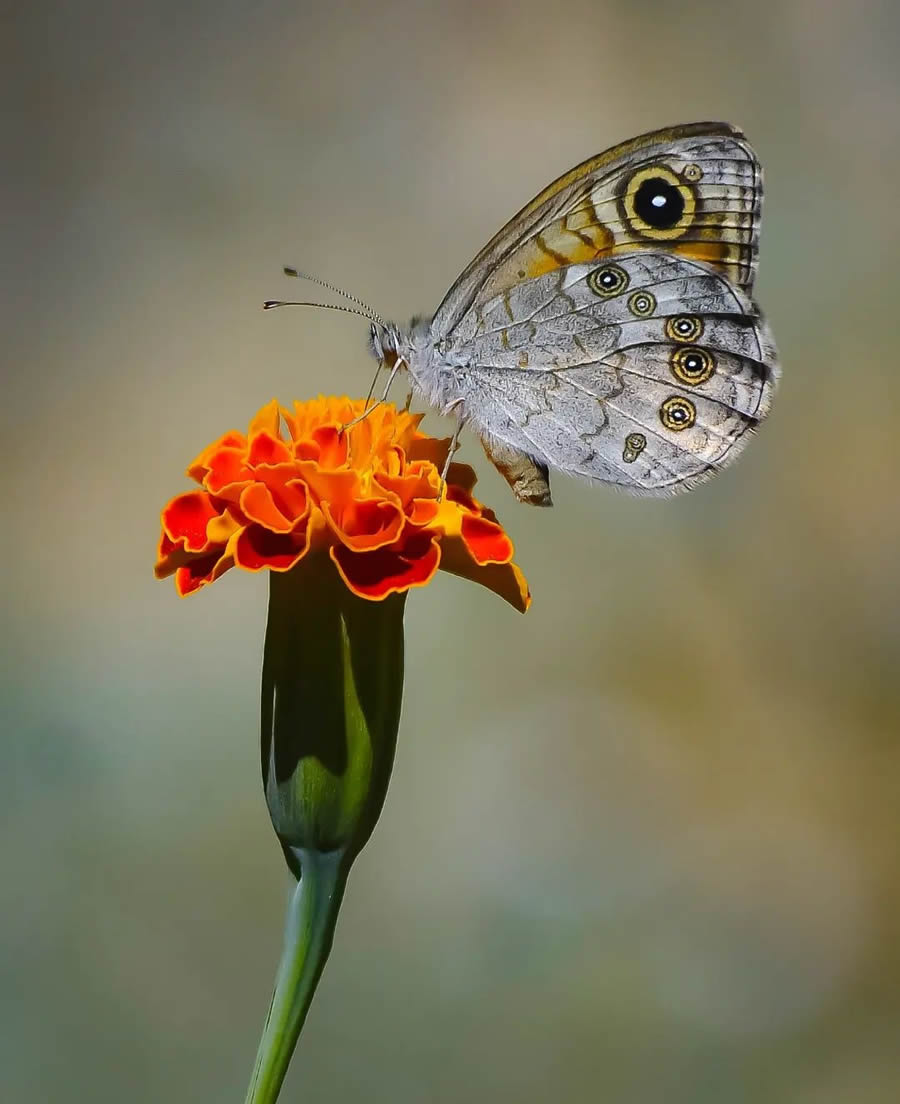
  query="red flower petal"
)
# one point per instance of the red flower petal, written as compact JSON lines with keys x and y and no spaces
{"x":199,"y":466}
{"x":328,"y":486}
{"x":459,"y":495}
{"x":227,"y":466}
{"x":423,"y":511}
{"x":332,"y":446}
{"x":201,"y":571}
{"x":371,"y":494}
{"x":259,"y":506}
{"x":186,"y":517}
{"x":506,"y":579}
{"x":486,"y":540}
{"x":257,"y":548}
{"x":266,"y":449}
{"x":408,"y":486}
{"x":462,"y":476}
{"x":388,"y":570}
{"x":365,"y":524}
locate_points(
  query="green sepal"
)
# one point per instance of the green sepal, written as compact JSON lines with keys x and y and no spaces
{"x":332,"y":685}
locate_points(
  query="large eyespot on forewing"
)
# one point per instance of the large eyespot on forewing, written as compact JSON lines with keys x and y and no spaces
{"x":657,"y":204}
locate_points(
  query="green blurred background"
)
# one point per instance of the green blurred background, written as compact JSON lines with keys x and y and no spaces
{"x":639,"y":846}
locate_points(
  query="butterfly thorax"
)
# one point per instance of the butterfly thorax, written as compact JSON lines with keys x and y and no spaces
{"x":432,"y":375}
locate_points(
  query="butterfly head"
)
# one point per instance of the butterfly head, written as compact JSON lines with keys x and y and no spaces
{"x":389,"y":343}
{"x":384,"y":342}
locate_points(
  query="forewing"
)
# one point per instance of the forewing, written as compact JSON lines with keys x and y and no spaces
{"x":708,"y":175}
{"x":649,"y":372}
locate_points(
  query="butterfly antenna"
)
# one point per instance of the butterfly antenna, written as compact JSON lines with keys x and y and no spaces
{"x":372,"y":315}
{"x":270,"y":304}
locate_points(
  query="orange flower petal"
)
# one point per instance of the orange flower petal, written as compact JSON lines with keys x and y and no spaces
{"x":186,"y":517}
{"x":288,"y":491}
{"x":332,"y":446}
{"x":432,"y":449}
{"x":201,"y":571}
{"x":259,"y":506}
{"x":461,"y":475}
{"x":329,"y":486}
{"x":199,"y":466}
{"x":371,"y":494}
{"x":364,"y":524}
{"x":266,"y":449}
{"x":223,"y":527}
{"x":267,"y":420}
{"x":417,"y":484}
{"x":256,"y":548}
{"x":486,"y":540}
{"x":423,"y":511}
{"x":506,"y":580}
{"x":227,"y":466}
{"x":388,"y":570}
{"x":170,"y":559}
{"x":462,"y":498}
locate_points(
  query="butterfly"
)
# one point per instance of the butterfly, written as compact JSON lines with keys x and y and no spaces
{"x":608,"y":330}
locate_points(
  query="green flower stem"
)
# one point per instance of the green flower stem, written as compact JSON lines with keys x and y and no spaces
{"x":307,"y":940}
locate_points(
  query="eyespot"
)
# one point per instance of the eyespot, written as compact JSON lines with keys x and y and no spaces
{"x":692,"y":172}
{"x":642,"y":304}
{"x":635,"y":443}
{"x":608,"y":281}
{"x":677,"y":413}
{"x":684,"y":327}
{"x":692,"y":365}
{"x":658,"y":204}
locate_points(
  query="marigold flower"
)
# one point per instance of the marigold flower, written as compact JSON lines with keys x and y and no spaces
{"x":347,"y":521}
{"x":297,"y":484}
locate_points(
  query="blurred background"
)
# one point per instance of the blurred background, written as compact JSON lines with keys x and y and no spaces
{"x":639,"y":846}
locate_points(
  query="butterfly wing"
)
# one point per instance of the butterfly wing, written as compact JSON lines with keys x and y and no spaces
{"x":649,"y":371}
{"x":694,"y":190}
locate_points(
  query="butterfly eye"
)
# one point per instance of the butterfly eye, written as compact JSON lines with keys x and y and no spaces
{"x":608,"y":281}
{"x":677,"y":413}
{"x":684,"y":327}
{"x":692,"y":365}
{"x":642,"y":304}
{"x":657,"y":204}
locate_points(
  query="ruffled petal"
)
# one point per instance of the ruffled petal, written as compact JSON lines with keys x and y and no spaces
{"x":388,"y":570}
{"x":266,"y":421}
{"x":186,"y":517}
{"x":266,"y":449}
{"x":370,"y":491}
{"x":364,"y":524}
{"x":486,"y":541}
{"x":227,"y":467}
{"x":329,"y":486}
{"x":199,"y":466}
{"x":256,"y":548}
{"x":505,"y":580}
{"x":201,"y":571}
{"x":258,"y":506}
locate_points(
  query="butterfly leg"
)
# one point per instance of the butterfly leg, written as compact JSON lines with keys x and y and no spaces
{"x":368,"y":409}
{"x":454,"y":445}
{"x":371,"y":391}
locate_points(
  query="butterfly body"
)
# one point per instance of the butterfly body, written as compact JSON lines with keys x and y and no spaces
{"x":608,"y":331}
